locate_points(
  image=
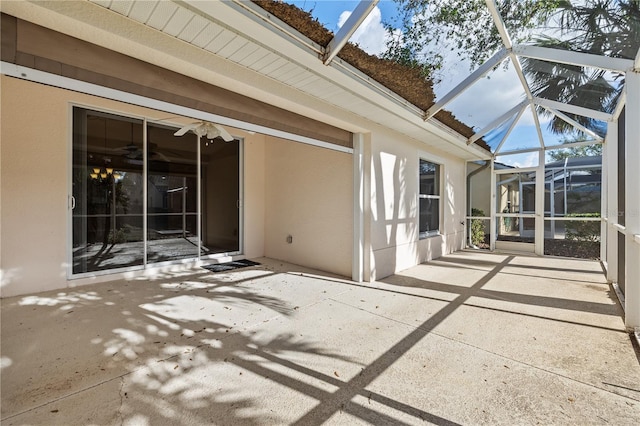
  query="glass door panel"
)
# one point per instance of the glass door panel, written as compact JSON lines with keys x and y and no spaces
{"x":220,"y":197}
{"x":172,"y":195}
{"x":108,"y":190}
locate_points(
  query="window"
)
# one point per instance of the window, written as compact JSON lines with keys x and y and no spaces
{"x":429,"y":199}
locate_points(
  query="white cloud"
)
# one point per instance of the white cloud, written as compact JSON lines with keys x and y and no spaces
{"x":371,"y":36}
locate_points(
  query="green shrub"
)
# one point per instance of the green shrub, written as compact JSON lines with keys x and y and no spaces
{"x":477,"y":228}
{"x":577,"y":230}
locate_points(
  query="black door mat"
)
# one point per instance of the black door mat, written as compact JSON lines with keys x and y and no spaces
{"x":229,"y":266}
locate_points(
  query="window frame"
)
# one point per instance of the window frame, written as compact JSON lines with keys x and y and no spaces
{"x":429,"y":234}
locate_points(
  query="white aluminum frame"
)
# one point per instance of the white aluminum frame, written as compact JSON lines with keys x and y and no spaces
{"x":573,"y":58}
{"x":345,"y":32}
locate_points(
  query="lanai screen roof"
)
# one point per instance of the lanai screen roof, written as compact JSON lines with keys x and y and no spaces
{"x":503,"y":132}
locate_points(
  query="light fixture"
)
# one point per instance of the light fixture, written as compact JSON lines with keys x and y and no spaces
{"x":105,"y":173}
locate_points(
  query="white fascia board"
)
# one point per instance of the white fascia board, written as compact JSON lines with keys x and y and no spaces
{"x":345,"y":32}
{"x":573,"y":58}
{"x":573,"y":109}
{"x":464,"y":84}
{"x":498,"y":121}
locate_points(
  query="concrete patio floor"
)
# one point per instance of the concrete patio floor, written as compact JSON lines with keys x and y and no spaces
{"x":471,"y":338}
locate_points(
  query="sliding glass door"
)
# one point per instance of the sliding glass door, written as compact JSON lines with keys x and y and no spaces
{"x":107,"y":189}
{"x":220,"y":201}
{"x":138,"y":198}
{"x":172,"y":194}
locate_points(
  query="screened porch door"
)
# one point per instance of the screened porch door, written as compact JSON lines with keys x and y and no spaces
{"x":515,"y":225}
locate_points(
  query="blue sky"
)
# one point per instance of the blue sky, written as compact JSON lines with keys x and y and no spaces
{"x":483,"y":102}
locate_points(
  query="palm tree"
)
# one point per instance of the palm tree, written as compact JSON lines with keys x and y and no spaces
{"x":602,"y":27}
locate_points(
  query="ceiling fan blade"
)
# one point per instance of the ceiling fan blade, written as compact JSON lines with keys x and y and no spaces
{"x":183,"y":130}
{"x":224,"y":134}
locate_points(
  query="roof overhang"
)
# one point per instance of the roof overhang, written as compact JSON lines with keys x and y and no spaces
{"x":239,"y":46}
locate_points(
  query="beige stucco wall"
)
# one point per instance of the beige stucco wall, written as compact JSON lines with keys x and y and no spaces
{"x":253,"y":195}
{"x":34,"y":187}
{"x":288,"y":189}
{"x":309,"y":195}
{"x":395,"y":243}
{"x":35,"y":145}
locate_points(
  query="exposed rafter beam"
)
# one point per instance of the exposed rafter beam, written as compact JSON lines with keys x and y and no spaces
{"x":345,"y":32}
{"x":574,"y":58}
{"x":573,"y":122}
{"x":480,"y":72}
{"x":573,"y":109}
{"x":513,"y":125}
{"x":498,"y":121}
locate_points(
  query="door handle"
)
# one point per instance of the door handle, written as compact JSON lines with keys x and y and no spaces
{"x":73,"y":202}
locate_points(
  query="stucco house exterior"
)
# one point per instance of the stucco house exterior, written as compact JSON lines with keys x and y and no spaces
{"x":113,"y":164}
{"x":324,"y":169}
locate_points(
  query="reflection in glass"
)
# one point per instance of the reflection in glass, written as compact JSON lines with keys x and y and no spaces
{"x":220,"y":189}
{"x":429,"y":196}
{"x":429,"y":210}
{"x":172,"y":195}
{"x":107,"y":188}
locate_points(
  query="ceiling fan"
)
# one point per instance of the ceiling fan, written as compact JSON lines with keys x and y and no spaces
{"x":205,"y":128}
